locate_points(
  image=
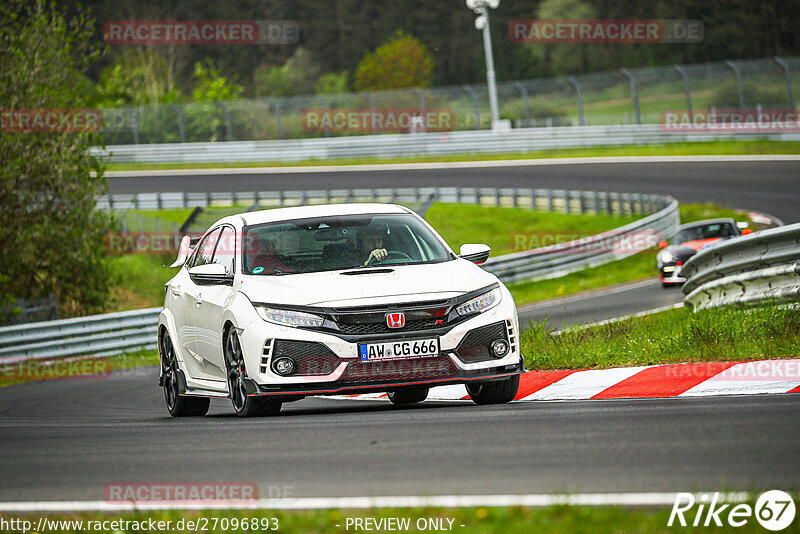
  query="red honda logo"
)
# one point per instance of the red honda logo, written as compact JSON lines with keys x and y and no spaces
{"x":396,"y":320}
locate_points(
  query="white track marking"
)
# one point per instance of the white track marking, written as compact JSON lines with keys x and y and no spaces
{"x":448,"y":165}
{"x":317,"y":503}
{"x":584,"y":384}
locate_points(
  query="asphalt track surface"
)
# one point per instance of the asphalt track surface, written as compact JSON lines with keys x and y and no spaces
{"x":768,"y":186}
{"x":67,"y":439}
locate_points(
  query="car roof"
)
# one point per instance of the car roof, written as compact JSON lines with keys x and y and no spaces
{"x":706,"y":222}
{"x":317,"y":210}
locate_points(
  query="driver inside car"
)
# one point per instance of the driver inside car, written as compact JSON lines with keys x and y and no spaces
{"x":370,"y":243}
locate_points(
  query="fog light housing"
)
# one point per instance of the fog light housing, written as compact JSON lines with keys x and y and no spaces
{"x":283,"y":366}
{"x":499,"y":348}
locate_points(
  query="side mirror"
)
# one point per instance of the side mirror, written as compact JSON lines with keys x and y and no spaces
{"x":210,"y":274}
{"x":662,"y":244}
{"x":746,"y":231}
{"x":476,"y":253}
{"x":184,"y":249}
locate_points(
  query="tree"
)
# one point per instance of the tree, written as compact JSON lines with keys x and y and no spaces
{"x":51,"y":234}
{"x":295,"y":77}
{"x":402,"y":62}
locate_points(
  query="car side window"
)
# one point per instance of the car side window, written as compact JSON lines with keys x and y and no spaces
{"x":226,"y":249}
{"x":205,"y":249}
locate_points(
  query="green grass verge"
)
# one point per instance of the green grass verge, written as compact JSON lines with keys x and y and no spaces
{"x":87,"y":368}
{"x":674,"y":336}
{"x":675,"y":149}
{"x":509,"y":520}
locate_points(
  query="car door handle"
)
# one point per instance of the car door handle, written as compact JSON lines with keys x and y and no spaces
{"x":176,"y":290}
{"x":198,"y":299}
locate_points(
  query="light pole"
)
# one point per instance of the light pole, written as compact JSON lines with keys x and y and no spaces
{"x":481,"y":8}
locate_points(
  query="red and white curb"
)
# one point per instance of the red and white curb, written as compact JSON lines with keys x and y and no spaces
{"x":657,"y":381}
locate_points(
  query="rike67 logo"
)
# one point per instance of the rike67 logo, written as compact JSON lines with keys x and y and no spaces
{"x":774,"y":510}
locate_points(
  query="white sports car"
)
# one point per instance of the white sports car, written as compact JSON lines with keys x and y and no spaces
{"x":275,"y":305}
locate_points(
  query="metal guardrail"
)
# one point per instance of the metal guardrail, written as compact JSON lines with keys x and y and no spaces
{"x":419,"y":144}
{"x":97,"y":335}
{"x":755,"y":268}
{"x":119,"y":332}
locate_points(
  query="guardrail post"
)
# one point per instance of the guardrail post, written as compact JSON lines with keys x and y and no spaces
{"x":634,"y":95}
{"x":524,"y":93}
{"x":550,"y":200}
{"x":786,"y":73}
{"x":475,"y":109}
{"x":179,"y":113}
{"x":567,"y":198}
{"x":738,"y":75}
{"x":497,"y":197}
{"x":686,"y":89}
{"x":595,"y":203}
{"x":577,"y":86}
{"x":533,"y":199}
{"x":184,"y":200}
{"x":227,"y":113}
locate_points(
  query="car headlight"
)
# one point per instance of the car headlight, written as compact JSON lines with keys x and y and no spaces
{"x":666,"y":256}
{"x":289,"y":318}
{"x":481,"y":303}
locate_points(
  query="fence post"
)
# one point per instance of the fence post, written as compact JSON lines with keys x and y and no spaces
{"x":550,"y":200}
{"x":533,"y":199}
{"x":276,"y":109}
{"x":53,"y":307}
{"x":686,"y":89}
{"x":738,"y":75}
{"x":141,"y":224}
{"x":475,"y":109}
{"x":371,"y":100}
{"x":23,"y":316}
{"x":524,"y":93}
{"x":179,"y":113}
{"x":421,"y":97}
{"x":577,"y":86}
{"x":634,"y":95}
{"x":134,"y":125}
{"x":228,"y":126}
{"x":786,"y":72}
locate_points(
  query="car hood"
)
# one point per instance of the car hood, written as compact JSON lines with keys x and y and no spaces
{"x":405,"y":283}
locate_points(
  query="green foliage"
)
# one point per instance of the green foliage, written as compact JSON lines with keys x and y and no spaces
{"x":331,"y":83}
{"x":51,"y":235}
{"x":402,"y":62}
{"x":138,"y":76}
{"x":296,"y":77}
{"x":211,"y":86}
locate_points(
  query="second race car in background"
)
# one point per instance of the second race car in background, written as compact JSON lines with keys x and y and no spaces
{"x":690,"y":239}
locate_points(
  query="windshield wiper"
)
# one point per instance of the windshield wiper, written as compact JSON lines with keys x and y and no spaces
{"x":374,"y":270}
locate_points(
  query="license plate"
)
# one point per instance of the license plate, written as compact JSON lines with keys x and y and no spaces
{"x":399,"y":350}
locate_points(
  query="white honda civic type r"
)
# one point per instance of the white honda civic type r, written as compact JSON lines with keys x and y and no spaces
{"x":275,"y":305}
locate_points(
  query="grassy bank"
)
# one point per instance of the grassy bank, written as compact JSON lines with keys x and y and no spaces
{"x":727,"y":148}
{"x":510,"y":520}
{"x":674,"y":336}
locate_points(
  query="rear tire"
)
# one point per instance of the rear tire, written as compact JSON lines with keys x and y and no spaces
{"x":178,"y":405}
{"x":410,"y":395}
{"x":498,"y":392}
{"x":244,"y":405}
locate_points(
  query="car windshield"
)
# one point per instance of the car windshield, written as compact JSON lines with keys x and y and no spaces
{"x":708,"y":231}
{"x":339,"y":242}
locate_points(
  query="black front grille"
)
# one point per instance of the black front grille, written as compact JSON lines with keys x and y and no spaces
{"x":475,"y":345}
{"x":381,"y":328}
{"x":399,"y":370}
{"x":310,"y":358}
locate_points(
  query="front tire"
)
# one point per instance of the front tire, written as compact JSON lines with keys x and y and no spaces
{"x":411,"y":395}
{"x":177,"y":404}
{"x":498,"y":392}
{"x":244,"y":405}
